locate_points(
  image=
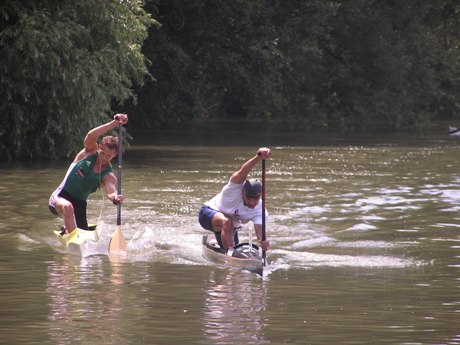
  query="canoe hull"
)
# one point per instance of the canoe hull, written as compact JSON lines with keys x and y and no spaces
{"x":77,"y":240}
{"x":213,"y":253}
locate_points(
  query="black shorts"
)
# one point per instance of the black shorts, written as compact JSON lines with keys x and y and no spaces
{"x":79,"y":207}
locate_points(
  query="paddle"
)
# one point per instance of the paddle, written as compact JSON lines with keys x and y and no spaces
{"x":263,"y":210}
{"x":118,"y":242}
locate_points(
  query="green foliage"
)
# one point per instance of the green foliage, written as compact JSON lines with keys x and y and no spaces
{"x":380,"y":57}
{"x":354,"y":64}
{"x":330,"y":64}
{"x":63,"y":64}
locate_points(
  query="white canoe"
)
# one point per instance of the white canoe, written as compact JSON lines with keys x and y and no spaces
{"x":454,"y":131}
{"x":242,"y":258}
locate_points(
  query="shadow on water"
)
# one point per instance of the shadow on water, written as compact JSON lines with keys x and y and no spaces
{"x":236,"y":133}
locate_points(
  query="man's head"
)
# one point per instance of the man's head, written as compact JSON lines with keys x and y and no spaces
{"x":252,"y":189}
{"x":111,"y":142}
{"x":108,"y":148}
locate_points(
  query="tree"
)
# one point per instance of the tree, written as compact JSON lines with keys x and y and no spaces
{"x":355,"y":64}
{"x":380,"y":58}
{"x":63,"y":64}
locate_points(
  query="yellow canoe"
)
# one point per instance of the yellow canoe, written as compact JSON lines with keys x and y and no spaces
{"x":74,"y":241}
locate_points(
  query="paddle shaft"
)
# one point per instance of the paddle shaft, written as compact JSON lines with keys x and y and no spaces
{"x":120,"y":160}
{"x":263,"y":210}
{"x":118,"y":243}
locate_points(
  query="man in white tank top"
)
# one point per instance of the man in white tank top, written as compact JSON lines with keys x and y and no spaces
{"x":238,"y":203}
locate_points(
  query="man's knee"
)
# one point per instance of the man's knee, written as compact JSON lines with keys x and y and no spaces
{"x":227,"y":225}
{"x":67,"y":208}
{"x":221,"y":223}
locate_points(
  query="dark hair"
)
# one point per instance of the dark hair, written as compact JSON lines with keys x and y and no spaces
{"x":111,"y":142}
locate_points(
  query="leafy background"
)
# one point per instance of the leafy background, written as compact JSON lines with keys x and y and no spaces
{"x":324,"y":65}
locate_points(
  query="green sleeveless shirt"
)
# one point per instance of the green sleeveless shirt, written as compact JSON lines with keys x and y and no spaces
{"x":82,"y":181}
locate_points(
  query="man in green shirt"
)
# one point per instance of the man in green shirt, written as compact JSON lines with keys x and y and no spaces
{"x":90,"y":169}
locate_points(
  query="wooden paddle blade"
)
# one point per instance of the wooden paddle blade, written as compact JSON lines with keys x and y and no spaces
{"x":118,"y":242}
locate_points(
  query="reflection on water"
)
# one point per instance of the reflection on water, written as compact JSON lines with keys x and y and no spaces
{"x":234,"y":309}
{"x":365,"y":248}
{"x":85,"y":295}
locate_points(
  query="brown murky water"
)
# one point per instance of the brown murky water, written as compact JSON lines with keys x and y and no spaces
{"x":365,"y":249}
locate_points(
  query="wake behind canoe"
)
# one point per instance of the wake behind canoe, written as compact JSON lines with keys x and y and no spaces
{"x":243,"y":257}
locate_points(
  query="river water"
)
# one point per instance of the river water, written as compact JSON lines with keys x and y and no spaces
{"x":364,"y":233}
